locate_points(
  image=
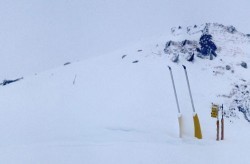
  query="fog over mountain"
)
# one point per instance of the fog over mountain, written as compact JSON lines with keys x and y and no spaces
{"x":42,"y":34}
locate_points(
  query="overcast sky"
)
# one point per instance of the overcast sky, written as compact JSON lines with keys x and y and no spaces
{"x":36,"y":35}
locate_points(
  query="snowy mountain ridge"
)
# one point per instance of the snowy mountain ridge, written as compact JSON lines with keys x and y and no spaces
{"x":198,"y":39}
{"x":230,"y":33}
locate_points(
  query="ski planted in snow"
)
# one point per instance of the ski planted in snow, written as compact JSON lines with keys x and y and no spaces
{"x":177,"y":103}
{"x":197,"y":127}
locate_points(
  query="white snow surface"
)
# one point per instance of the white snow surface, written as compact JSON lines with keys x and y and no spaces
{"x":113,"y":111}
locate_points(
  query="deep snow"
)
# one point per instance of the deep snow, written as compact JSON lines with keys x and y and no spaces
{"x":111,"y":110}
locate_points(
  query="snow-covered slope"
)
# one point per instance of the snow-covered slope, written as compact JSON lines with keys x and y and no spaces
{"x":120,"y":108}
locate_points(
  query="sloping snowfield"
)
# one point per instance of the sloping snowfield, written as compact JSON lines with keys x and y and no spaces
{"x":114,"y":110}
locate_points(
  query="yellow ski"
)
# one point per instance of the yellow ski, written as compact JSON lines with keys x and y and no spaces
{"x":197,"y":127}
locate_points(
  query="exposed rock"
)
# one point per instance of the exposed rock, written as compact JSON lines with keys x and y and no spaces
{"x":207,"y":45}
{"x":228,"y":67}
{"x":172,"y":30}
{"x":186,"y":46}
{"x":5,"y":82}
{"x":67,"y":63}
{"x":190,"y":58}
{"x":123,"y":56}
{"x":244,"y":64}
{"x":210,"y":56}
{"x":175,"y":58}
{"x":240,"y":101}
{"x":231,"y":29}
{"x":168,"y":43}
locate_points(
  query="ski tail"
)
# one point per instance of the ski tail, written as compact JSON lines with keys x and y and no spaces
{"x":197,"y":126}
{"x":180,"y":125}
{"x":177,"y":103}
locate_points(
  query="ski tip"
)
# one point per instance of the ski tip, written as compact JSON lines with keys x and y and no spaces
{"x":184,"y":66}
{"x":169,"y":67}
